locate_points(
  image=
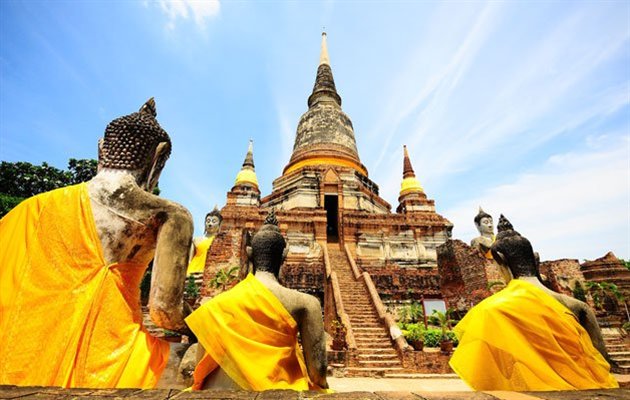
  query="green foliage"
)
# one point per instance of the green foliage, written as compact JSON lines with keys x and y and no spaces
{"x":224,"y":277}
{"x":7,"y":203}
{"x":444,"y":321}
{"x":578,"y":292}
{"x":414,"y":332}
{"x":626,"y":263}
{"x":432,"y":337}
{"x":626,"y":326}
{"x":412,"y":313}
{"x":600,"y":291}
{"x":191,"y":290}
{"x":23,"y":179}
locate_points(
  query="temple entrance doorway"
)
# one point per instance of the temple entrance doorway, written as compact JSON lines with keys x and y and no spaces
{"x":331,"y":205}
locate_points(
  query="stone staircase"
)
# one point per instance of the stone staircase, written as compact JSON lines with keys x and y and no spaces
{"x":618,"y":348}
{"x":376,"y":355}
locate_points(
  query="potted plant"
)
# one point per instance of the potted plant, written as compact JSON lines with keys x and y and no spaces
{"x":191,"y":291}
{"x":444,"y":321}
{"x":338,"y":335}
{"x":172,"y":336}
{"x":414,"y":335}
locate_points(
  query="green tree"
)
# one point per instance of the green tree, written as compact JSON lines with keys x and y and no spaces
{"x":20,"y":180}
{"x":444,"y":321}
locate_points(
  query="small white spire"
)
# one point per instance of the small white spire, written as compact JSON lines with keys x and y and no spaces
{"x":323,"y":58}
{"x":250,"y":148}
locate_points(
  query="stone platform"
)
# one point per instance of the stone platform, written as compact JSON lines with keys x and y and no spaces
{"x":15,"y":392}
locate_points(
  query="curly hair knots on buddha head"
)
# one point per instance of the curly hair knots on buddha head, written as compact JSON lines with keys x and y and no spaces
{"x":130,"y":141}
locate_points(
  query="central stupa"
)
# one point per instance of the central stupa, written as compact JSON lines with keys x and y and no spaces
{"x":341,"y":233}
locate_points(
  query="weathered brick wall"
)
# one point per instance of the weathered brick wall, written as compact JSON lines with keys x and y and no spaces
{"x":562,"y":275}
{"x":307,"y":277}
{"x":397,"y":283}
{"x":427,"y":362}
{"x":462,"y":271}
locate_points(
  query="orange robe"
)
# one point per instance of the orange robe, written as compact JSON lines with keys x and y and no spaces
{"x":252,"y":337}
{"x":523,"y":339}
{"x":66,"y":317}
{"x":198,"y":262}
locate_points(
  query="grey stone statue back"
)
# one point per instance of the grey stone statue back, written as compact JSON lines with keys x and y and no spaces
{"x":517,"y":260}
{"x":267,"y":253}
{"x":134,"y":225}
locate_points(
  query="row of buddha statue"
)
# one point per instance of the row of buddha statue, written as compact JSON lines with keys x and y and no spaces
{"x":71,"y":261}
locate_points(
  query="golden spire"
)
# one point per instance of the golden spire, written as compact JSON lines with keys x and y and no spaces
{"x":247,"y":174}
{"x":409,"y":183}
{"x":323,"y":57}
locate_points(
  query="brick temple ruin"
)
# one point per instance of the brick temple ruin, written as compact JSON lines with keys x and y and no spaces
{"x":350,"y":250}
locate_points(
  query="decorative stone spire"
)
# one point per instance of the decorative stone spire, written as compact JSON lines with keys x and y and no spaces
{"x":412,"y":197}
{"x":323,"y":57}
{"x":325,"y":135}
{"x":324,"y":89}
{"x":247,"y":174}
{"x":409,"y":183}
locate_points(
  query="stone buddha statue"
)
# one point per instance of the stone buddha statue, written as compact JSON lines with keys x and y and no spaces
{"x":133,"y":224}
{"x":71,"y":262}
{"x":248,"y":334}
{"x":517,"y":260}
{"x":485,"y":226}
{"x":527,"y":337}
{"x":202,"y":244}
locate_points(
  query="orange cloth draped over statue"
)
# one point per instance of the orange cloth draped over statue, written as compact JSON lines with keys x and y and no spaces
{"x":66,"y":317}
{"x":522,"y":339}
{"x":198,"y":262}
{"x":252,"y":337}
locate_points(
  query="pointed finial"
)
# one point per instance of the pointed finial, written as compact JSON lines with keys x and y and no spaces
{"x":407,"y":168}
{"x":149,"y":108}
{"x":249,"y":157}
{"x":323,"y":57}
{"x":271,"y":218}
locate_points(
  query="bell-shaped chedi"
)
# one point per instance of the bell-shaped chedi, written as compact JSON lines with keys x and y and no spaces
{"x":412,"y":197}
{"x":245,"y":191}
{"x":325,"y":135}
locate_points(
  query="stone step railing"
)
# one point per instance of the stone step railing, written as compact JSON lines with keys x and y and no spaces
{"x":386,"y":318}
{"x":333,"y":282}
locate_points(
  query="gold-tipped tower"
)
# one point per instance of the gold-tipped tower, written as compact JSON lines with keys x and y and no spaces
{"x":412,"y":197}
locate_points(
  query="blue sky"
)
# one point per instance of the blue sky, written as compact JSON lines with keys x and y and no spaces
{"x":522,"y":108}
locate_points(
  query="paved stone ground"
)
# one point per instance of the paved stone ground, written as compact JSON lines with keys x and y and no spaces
{"x":14,"y":392}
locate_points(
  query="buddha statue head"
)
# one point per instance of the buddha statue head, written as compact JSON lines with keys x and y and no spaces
{"x":268,"y":248}
{"x":484,"y":223}
{"x":213,"y":222}
{"x":513,"y":251}
{"x":136,"y":143}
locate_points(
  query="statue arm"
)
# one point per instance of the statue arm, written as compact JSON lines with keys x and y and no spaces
{"x":174,"y":239}
{"x":314,"y":341}
{"x":589,"y":322}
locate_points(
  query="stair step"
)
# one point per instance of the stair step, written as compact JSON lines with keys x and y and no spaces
{"x":378,"y":357}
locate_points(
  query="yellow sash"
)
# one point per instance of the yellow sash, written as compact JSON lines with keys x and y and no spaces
{"x":66,"y":318}
{"x":198,"y":262}
{"x":252,"y":337}
{"x":523,"y":339}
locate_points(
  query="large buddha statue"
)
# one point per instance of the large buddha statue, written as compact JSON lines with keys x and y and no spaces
{"x":202,"y":244}
{"x":71,"y":261}
{"x":249,"y":334}
{"x":527,"y":337}
{"x":484,"y":241}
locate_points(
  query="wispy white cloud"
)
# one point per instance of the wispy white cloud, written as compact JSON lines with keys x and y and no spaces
{"x":520,"y":103}
{"x":200,"y":11}
{"x":575,"y":205}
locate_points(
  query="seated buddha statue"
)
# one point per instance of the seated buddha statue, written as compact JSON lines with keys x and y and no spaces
{"x":248,"y":335}
{"x":527,"y":337}
{"x":202,"y":244}
{"x":71,"y":261}
{"x":485,"y":226}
